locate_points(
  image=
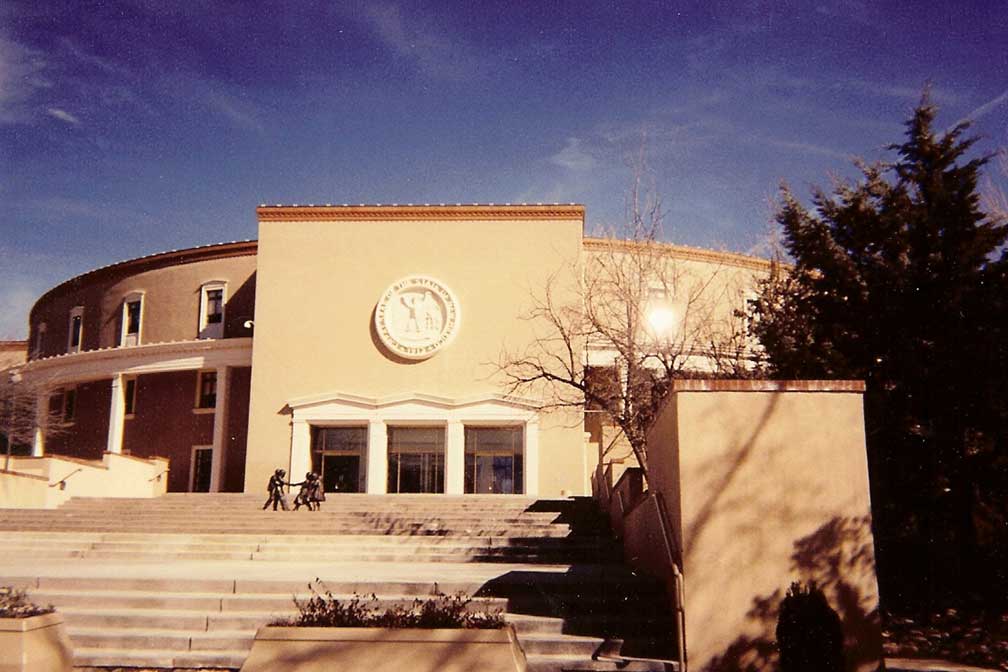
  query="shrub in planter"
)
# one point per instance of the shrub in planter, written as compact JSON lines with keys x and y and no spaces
{"x":325,"y":610}
{"x":809,"y":633}
{"x":32,"y":637}
{"x":447,"y":633}
{"x":14,"y":603}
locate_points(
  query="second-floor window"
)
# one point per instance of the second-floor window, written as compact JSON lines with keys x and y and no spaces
{"x":76,"y":329}
{"x":211,"y":324}
{"x":132,"y":314}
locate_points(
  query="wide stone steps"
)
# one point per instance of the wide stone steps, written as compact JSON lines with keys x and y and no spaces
{"x":121,"y":572}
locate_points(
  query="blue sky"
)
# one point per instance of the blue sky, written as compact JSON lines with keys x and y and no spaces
{"x":133,"y":127}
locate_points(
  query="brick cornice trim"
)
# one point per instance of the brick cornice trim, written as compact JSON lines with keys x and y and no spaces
{"x":701,"y":385}
{"x":302,"y":213}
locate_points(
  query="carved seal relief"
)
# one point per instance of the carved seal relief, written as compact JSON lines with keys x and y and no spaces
{"x":416,"y":317}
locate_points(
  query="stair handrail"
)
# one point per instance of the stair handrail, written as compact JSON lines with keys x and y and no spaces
{"x":157,"y":477}
{"x":62,"y":482}
{"x":679,"y":589}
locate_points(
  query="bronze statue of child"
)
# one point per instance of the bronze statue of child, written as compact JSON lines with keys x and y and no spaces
{"x":275,"y":488}
{"x":303,"y":497}
{"x":317,"y":492}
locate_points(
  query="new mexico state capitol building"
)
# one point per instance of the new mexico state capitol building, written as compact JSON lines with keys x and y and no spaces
{"x":357,"y":341}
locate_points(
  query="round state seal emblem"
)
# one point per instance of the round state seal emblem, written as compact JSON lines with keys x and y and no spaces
{"x":416,"y":316}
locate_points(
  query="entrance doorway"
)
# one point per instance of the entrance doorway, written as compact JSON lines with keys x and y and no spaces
{"x":494,"y":460}
{"x":337,"y":456}
{"x":199,"y":471}
{"x":416,"y":459}
{"x":340,"y":472}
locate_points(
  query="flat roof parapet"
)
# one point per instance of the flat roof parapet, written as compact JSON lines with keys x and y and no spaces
{"x":701,"y":385}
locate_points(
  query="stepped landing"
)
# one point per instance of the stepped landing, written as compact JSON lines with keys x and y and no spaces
{"x":185,"y":580}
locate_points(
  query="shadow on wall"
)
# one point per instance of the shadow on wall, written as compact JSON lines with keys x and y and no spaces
{"x":841,"y":547}
{"x":240,"y":307}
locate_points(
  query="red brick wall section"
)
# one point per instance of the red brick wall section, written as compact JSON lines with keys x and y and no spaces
{"x":237,"y":430}
{"x":87,"y":436}
{"x":164,"y":424}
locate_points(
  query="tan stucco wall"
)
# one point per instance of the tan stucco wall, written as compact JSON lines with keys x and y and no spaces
{"x":27,"y":484}
{"x":766,"y":487}
{"x":12,"y":353}
{"x":319,"y":282}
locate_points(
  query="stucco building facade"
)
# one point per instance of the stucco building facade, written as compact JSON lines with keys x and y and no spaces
{"x":360,"y":342}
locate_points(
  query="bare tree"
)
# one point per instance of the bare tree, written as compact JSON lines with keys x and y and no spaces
{"x":639,"y":314}
{"x":19,"y":413}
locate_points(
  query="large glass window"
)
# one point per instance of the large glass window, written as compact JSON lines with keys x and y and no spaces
{"x":493,"y":460}
{"x":416,"y":459}
{"x":337,"y":456}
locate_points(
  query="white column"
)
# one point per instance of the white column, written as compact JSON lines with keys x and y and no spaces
{"x":117,"y":416}
{"x":532,"y":457}
{"x":300,"y":456}
{"x":455,"y":458}
{"x":219,"y":429}
{"x":41,"y":415}
{"x":377,"y":458}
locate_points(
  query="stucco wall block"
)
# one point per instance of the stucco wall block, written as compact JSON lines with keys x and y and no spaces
{"x":767,"y":483}
{"x":318,"y":283}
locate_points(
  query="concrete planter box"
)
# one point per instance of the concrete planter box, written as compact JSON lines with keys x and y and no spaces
{"x":35,"y":644}
{"x":294,"y":649}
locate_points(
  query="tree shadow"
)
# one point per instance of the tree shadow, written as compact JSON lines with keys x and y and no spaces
{"x":832,"y":557}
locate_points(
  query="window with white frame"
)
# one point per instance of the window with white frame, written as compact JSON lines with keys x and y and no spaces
{"x":76,"y":335}
{"x":211,"y":318}
{"x":206,"y":390}
{"x":132,"y":317}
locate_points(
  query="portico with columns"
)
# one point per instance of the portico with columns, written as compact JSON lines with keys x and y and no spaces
{"x":168,"y":427}
{"x":490,"y":471}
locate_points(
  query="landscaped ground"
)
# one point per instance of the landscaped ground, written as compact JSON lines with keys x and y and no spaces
{"x":976,"y":638}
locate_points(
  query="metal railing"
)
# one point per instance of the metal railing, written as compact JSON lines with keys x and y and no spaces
{"x":604,"y":490}
{"x":62,"y":482}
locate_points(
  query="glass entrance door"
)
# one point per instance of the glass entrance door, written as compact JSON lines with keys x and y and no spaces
{"x":416,"y":459}
{"x":493,"y":460}
{"x":337,"y":456}
{"x":339,"y":473}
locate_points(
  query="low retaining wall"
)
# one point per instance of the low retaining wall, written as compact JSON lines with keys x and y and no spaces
{"x":760,"y":483}
{"x":47,"y":482}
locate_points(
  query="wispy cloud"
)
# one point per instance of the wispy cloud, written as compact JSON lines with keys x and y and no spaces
{"x":430,"y":48}
{"x":987,"y":107}
{"x":802,"y":147}
{"x":574,"y":156}
{"x":87,"y":58}
{"x":63,"y":115}
{"x":238,"y":112}
{"x":22,"y":75}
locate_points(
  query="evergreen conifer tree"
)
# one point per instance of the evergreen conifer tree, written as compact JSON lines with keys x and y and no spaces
{"x":897,"y":280}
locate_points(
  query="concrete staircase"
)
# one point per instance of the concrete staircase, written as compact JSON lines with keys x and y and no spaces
{"x":184,"y":581}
